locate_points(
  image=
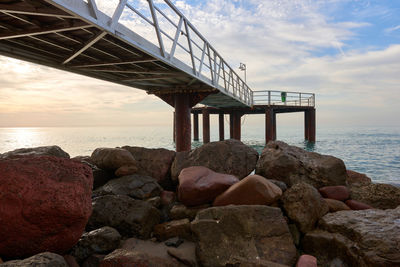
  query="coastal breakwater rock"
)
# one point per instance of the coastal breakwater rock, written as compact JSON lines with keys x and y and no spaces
{"x":229,"y":157}
{"x":235,"y":235}
{"x":55,"y":151}
{"x":292,"y":165}
{"x":45,"y":203}
{"x":367,"y":238}
{"x":200,"y":185}
{"x":113,"y":158}
{"x":40,"y":260}
{"x":153,"y":162}
{"x":380,"y":196}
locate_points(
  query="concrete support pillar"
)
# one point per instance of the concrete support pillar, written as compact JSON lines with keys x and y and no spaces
{"x":237,"y":125}
{"x":182,"y":122}
{"x":195,"y":126}
{"x":274,"y":126}
{"x":221,"y":127}
{"x":310,"y":125}
{"x":269,"y":125}
{"x":174,"y":128}
{"x":231,"y":126}
{"x":206,"y":126}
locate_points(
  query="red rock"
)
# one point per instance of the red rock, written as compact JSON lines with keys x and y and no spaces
{"x":178,"y":228}
{"x":339,"y":192}
{"x":126,"y":170}
{"x":307,"y":261}
{"x":252,"y":190}
{"x":357,"y":178}
{"x":200,"y":185}
{"x":45,"y":203}
{"x":336,"y":205}
{"x":167,"y":198}
{"x":71,"y":261}
{"x":356,"y":205}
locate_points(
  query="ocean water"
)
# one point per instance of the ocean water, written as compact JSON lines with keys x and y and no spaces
{"x":374,"y":151}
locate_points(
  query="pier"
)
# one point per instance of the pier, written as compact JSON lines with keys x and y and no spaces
{"x":167,"y":57}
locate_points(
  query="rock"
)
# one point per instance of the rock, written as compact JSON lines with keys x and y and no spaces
{"x":130,"y":217}
{"x":296,"y":235}
{"x":141,"y":253}
{"x":55,"y":151}
{"x":1,"y":261}
{"x":93,"y":260}
{"x":244,"y":262}
{"x":180,"y":211}
{"x":154,"y":201}
{"x":45,"y":203}
{"x":71,"y":261}
{"x":42,"y":259}
{"x":292,"y":165}
{"x":357,"y":238}
{"x":380,"y":196}
{"x":112,"y":158}
{"x":252,"y":190}
{"x":126,"y":170}
{"x":356,"y":178}
{"x":100,"y":241}
{"x":280,"y":184}
{"x":100,"y":177}
{"x":200,"y":185}
{"x":338,"y":192}
{"x":336,"y":205}
{"x":186,"y":253}
{"x":356,"y":205}
{"x":153,"y":162}
{"x":167,"y":198}
{"x":135,"y":186}
{"x":229,"y":157}
{"x":304,"y":205}
{"x":230,"y":235}
{"x":307,"y":261}
{"x":174,"y":242}
{"x":179,"y":228}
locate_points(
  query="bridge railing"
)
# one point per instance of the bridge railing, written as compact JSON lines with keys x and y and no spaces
{"x":282,"y":98}
{"x":178,"y":41}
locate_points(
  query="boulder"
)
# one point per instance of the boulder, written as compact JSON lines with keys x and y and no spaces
{"x":304,"y":205}
{"x":112,"y":158}
{"x":338,"y":192}
{"x":42,"y":259}
{"x":252,"y":190}
{"x":336,"y":205}
{"x":280,"y":184}
{"x":135,"y":252}
{"x":153,"y":162}
{"x":167,"y":198}
{"x":185,"y":253}
{"x":126,"y":170}
{"x":130,"y":217}
{"x":100,"y":177}
{"x":232,"y":235}
{"x":229,"y":157}
{"x":356,"y":178}
{"x":154,"y":201}
{"x":55,"y":151}
{"x":356,"y":205}
{"x":380,"y":196}
{"x":307,"y":261}
{"x":200,"y":185}
{"x":180,"y":211}
{"x":178,"y":228}
{"x":99,"y":241}
{"x":357,"y":238}
{"x":45,"y":203}
{"x":292,"y":165}
{"x":135,"y":186}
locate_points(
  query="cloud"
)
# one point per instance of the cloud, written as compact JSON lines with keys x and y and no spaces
{"x":392,"y":29}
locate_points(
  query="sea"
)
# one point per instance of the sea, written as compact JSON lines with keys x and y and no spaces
{"x":373,"y":151}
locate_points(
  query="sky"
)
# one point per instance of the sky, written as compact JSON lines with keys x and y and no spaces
{"x":347,"y":52}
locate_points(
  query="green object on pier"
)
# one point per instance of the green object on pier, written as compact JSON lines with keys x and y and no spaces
{"x":283,"y":96}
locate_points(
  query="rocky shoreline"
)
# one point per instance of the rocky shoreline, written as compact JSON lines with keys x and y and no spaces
{"x":221,"y":204}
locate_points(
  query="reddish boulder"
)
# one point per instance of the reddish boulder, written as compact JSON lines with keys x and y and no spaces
{"x":357,"y":178}
{"x":45,"y":203}
{"x":356,"y":205}
{"x":112,"y":158}
{"x":339,"y":192}
{"x":252,"y":190}
{"x":200,"y":185}
{"x":307,"y":261}
{"x":126,"y":170}
{"x":336,"y":205}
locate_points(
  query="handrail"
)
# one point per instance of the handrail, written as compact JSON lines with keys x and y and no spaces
{"x":274,"y":98}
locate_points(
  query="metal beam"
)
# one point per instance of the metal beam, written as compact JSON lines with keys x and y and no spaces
{"x":91,"y":42}
{"x":135,"y":71}
{"x":32,"y":11}
{"x":48,"y":30}
{"x":160,"y":77}
{"x":112,"y":63}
